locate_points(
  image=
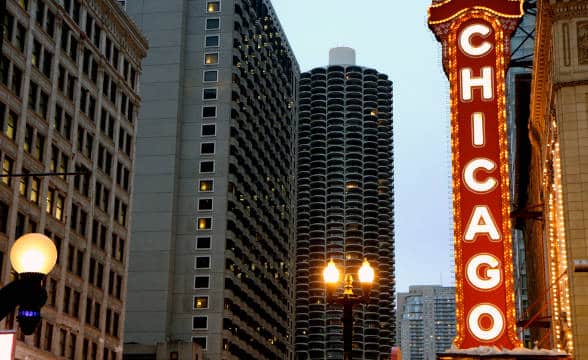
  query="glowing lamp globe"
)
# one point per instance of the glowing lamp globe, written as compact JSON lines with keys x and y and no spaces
{"x":331,"y":273}
{"x":366,"y":273}
{"x":33,"y":253}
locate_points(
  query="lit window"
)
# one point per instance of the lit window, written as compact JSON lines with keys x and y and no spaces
{"x":11,"y":125}
{"x":209,"y":94}
{"x":35,"y":186}
{"x":207,"y":166}
{"x":200,"y":322}
{"x":200,"y":341}
{"x":202,"y":242}
{"x":211,"y":58}
{"x":204,"y":204}
{"x":206,"y":185}
{"x":211,"y":76}
{"x":212,"y":6}
{"x":201,"y":282}
{"x":204,"y":223}
{"x":207,"y":148}
{"x":208,"y":130}
{"x":59,"y":207}
{"x":351,"y":185}
{"x":7,"y":170}
{"x":200,"y":302}
{"x":208,"y":111}
{"x":212,"y":41}
{"x":213,"y":24}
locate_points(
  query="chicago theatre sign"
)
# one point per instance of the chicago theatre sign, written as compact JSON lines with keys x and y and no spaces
{"x":475,"y":35}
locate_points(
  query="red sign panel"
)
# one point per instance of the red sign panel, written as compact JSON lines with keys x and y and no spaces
{"x":475,"y":36}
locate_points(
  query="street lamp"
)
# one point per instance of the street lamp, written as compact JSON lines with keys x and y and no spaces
{"x":348,"y":299}
{"x":32,"y":256}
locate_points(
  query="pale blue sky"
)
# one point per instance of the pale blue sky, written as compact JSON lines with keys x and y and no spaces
{"x":392,"y":36}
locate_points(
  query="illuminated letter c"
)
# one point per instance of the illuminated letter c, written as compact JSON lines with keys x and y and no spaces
{"x":465,"y":40}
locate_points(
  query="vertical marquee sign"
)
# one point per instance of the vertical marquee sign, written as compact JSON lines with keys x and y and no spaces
{"x":475,"y":35}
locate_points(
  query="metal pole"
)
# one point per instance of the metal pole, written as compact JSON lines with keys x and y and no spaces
{"x":347,"y":328}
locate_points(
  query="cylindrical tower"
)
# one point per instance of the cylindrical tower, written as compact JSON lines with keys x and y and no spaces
{"x":345,"y":204}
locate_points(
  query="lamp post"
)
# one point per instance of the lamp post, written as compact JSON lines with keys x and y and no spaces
{"x":348,"y":299}
{"x":32,"y":256}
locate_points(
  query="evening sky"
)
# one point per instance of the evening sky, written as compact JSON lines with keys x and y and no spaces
{"x":392,"y":37}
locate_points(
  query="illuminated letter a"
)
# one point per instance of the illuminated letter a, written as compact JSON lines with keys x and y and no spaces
{"x":481,"y":222}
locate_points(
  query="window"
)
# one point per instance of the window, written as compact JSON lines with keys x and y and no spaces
{"x":202,"y":262}
{"x":209,"y":94}
{"x":204,"y":204}
{"x":204,"y":223}
{"x":200,"y":302}
{"x":201,"y":282}
{"x":207,"y":166}
{"x":200,"y":322}
{"x":211,"y":58}
{"x":211,"y":76}
{"x":206,"y":186}
{"x":212,"y":6}
{"x":208,"y":130}
{"x":202,"y":242}
{"x":213,"y":24}
{"x":212,"y":41}
{"x":207,"y":148}
{"x":200,"y":341}
{"x":208,"y":111}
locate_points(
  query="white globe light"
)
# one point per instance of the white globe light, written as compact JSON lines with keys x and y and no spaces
{"x":366,"y":273}
{"x":33,"y":253}
{"x":331,"y":273}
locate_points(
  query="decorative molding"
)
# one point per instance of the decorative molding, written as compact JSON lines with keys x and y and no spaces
{"x":582,"y":36}
{"x":566,"y":84}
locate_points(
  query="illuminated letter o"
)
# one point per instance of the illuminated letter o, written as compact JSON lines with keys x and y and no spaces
{"x":497,"y":322}
{"x":493,"y":273}
{"x":465,"y":40}
{"x":470,"y":180}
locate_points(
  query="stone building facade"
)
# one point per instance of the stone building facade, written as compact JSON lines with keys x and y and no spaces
{"x":68,"y":103}
{"x":555,"y":199}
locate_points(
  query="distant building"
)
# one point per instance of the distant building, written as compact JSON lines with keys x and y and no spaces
{"x":345,"y":204}
{"x":213,"y":221}
{"x":69,"y":98}
{"x":426,"y":321}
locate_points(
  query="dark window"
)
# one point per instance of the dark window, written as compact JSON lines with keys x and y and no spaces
{"x":212,"y":40}
{"x":210,"y":76}
{"x":206,"y":166}
{"x":209,"y":94}
{"x":207,"y":148}
{"x":209,"y":111}
{"x":208,"y":130}
{"x":203,"y":242}
{"x":200,"y":341}
{"x":200,"y":322}
{"x":205,"y":204}
{"x":201,"y":282}
{"x":203,"y":262}
{"x":213,"y":24}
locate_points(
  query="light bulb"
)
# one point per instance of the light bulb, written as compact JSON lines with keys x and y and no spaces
{"x":33,"y":253}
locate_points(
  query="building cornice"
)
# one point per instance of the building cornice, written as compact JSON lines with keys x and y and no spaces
{"x":113,"y":17}
{"x":569,"y":9}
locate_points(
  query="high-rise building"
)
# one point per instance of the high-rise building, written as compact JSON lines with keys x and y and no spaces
{"x":426,"y":321}
{"x":213,"y":218}
{"x":345,"y":204}
{"x":553,"y":195}
{"x":69,"y":102}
